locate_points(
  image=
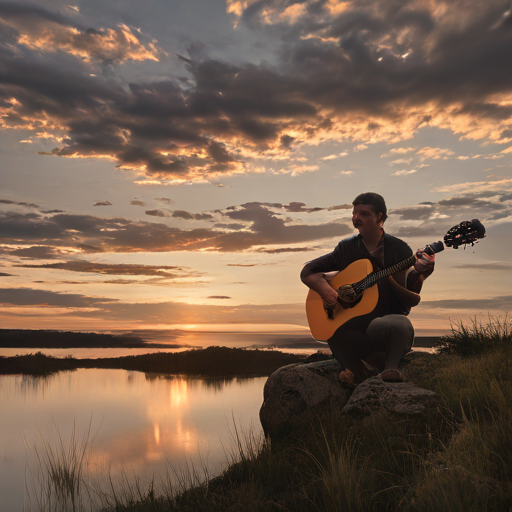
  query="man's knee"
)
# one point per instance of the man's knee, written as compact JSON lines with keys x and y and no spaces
{"x":391,"y":326}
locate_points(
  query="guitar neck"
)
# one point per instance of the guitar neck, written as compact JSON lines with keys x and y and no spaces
{"x":372,"y":278}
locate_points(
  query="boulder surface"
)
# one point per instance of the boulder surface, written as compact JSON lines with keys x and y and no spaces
{"x":398,"y":397}
{"x":298,"y":392}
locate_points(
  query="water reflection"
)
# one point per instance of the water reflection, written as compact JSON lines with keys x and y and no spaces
{"x":138,"y":421}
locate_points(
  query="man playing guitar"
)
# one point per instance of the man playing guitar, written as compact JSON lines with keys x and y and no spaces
{"x":372,"y":342}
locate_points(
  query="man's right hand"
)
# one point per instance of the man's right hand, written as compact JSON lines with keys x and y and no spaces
{"x":329,"y":297}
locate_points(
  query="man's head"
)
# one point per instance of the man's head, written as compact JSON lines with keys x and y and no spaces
{"x":375,"y":202}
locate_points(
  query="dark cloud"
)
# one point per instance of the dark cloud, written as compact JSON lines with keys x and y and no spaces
{"x":138,"y":203}
{"x":218,"y":297}
{"x":340,"y":207}
{"x":503,"y":302}
{"x":281,"y":250}
{"x":169,"y":272}
{"x":438,"y":217}
{"x":412,"y":213}
{"x":165,"y":200}
{"x":334,"y":73}
{"x":102,"y":203}
{"x":485,"y":266}
{"x":157,"y":213}
{"x":39,"y":252}
{"x":242,"y":264}
{"x":33,"y":297}
{"x":94,"y":234}
{"x":18,"y":203}
{"x":181,"y":214}
{"x":300,"y":207}
{"x":5,"y":274}
{"x":49,"y":31}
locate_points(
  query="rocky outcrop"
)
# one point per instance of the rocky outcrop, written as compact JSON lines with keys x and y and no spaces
{"x":298,"y":393}
{"x":398,"y":398}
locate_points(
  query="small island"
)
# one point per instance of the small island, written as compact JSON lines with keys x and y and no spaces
{"x":208,"y":362}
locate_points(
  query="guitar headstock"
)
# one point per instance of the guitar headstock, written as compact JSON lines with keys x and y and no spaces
{"x":467,"y":232}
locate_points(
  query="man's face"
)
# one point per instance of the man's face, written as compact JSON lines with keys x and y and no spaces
{"x":365,"y":219}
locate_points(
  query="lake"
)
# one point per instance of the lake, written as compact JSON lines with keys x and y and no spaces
{"x":140,"y":424}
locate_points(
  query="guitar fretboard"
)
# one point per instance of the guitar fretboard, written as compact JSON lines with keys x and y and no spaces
{"x":372,"y":278}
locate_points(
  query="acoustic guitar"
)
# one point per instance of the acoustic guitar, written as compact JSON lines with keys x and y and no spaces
{"x":358,"y":297}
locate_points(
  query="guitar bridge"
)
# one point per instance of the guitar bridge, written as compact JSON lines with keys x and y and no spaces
{"x":333,"y":311}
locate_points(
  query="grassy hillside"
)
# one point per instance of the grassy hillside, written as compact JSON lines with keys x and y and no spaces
{"x":457,"y":459}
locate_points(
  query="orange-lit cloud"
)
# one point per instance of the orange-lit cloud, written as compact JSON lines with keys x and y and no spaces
{"x":346,"y":71}
{"x":45,"y":31}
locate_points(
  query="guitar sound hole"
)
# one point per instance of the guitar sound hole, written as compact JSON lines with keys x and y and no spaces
{"x":348,"y":296}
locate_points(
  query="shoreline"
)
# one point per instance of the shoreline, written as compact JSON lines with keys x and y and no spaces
{"x":208,"y":362}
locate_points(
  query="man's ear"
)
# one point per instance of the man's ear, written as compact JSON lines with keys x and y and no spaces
{"x":379,"y":218}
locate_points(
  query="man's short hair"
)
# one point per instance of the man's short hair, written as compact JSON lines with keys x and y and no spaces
{"x":374,"y":200}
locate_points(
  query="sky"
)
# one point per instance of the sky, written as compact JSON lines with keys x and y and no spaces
{"x":175,"y":164}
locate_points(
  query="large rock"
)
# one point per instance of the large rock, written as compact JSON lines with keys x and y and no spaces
{"x":299,"y":392}
{"x":398,"y":397}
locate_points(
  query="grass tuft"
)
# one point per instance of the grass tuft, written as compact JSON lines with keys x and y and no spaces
{"x":477,"y":337}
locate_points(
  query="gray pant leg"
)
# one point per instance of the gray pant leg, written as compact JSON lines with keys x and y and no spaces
{"x":393,"y":334}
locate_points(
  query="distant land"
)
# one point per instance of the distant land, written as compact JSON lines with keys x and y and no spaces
{"x":29,"y":338}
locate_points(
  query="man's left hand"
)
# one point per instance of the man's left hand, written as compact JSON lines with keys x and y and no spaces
{"x":424,"y":264}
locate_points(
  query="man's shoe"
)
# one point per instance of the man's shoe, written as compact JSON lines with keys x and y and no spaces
{"x":391,"y":375}
{"x":347,"y":377}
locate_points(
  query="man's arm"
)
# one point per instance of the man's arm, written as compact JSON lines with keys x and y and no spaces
{"x":319,"y":284}
{"x":313,"y":275}
{"x":423,"y":267}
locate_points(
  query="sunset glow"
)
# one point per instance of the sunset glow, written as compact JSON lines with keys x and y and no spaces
{"x":207,"y":157}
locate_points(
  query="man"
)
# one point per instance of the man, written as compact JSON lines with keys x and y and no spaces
{"x":367,"y":345}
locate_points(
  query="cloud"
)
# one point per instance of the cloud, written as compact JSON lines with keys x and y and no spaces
{"x":169,"y":272}
{"x":398,"y":151}
{"x":5,"y":274}
{"x":242,"y":264}
{"x":165,"y":200}
{"x":261,"y":227}
{"x":20,"y":301}
{"x":35,"y":297}
{"x":503,"y":302}
{"x":181,"y":214}
{"x":413,"y":213}
{"x":281,"y":250}
{"x":404,"y":172}
{"x":102,"y":203}
{"x":484,"y":203}
{"x":40,"y":252}
{"x":429,"y":66}
{"x":218,"y":297}
{"x":485,"y":266}
{"x":42,"y":30}
{"x":18,"y":203}
{"x":333,"y":157}
{"x":340,"y":207}
{"x":435,"y":153}
{"x":157,"y":213}
{"x":296,"y":207}
{"x":136,"y":202}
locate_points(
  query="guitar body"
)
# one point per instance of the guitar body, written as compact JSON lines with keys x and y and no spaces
{"x":322,"y":327}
